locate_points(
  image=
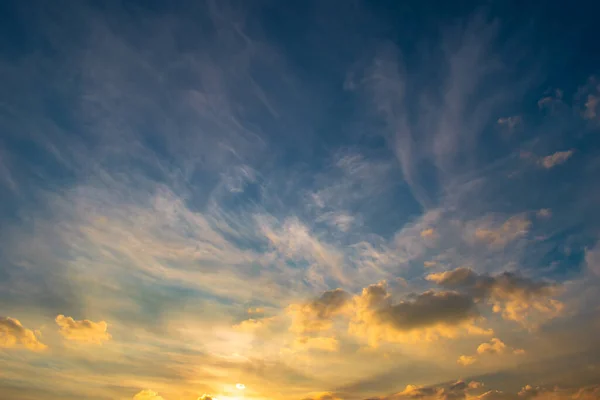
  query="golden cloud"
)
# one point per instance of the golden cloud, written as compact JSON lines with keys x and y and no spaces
{"x":424,"y":316}
{"x":494,"y":346}
{"x":316,"y":343}
{"x":466,"y":360}
{"x":14,"y":334}
{"x":83,"y":330}
{"x":456,"y":391}
{"x":147,"y":395}
{"x":515,"y":297}
{"x":317,"y":315}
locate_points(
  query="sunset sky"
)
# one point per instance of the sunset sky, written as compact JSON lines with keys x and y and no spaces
{"x":299,"y":200}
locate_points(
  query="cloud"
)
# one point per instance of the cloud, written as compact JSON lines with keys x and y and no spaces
{"x":429,"y":314}
{"x":14,"y":335}
{"x":560,"y":157}
{"x":544,"y":213}
{"x":458,"y":390}
{"x":515,"y":297}
{"x":499,"y":235}
{"x":428,"y":233}
{"x":317,"y":314}
{"x":83,"y":330}
{"x":494,"y":346}
{"x":511,"y":122}
{"x":305,"y":343}
{"x":294,"y":241}
{"x":324,"y":396}
{"x":466,"y":360}
{"x":147,"y":395}
{"x":556,"y":393}
{"x":590,"y":107}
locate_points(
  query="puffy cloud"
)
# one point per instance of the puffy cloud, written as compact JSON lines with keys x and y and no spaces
{"x":14,"y":334}
{"x":83,"y":330}
{"x":147,"y":395}
{"x":498,"y":236}
{"x":428,"y":314}
{"x":316,"y":315}
{"x":560,"y":157}
{"x":456,"y":391}
{"x":466,"y":360}
{"x":515,"y":297}
{"x":494,"y":346}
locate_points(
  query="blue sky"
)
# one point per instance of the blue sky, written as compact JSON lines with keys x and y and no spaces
{"x":316,"y":200}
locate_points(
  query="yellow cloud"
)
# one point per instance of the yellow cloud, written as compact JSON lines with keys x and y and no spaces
{"x":147,"y":395}
{"x":466,"y":360}
{"x":83,"y":330}
{"x":495,"y":346}
{"x":425,"y":316}
{"x":456,"y":390}
{"x":13,"y":334}
{"x":316,"y":343}
{"x":323,"y":396}
{"x":317,"y":315}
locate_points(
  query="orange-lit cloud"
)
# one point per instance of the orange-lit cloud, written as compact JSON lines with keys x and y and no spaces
{"x":499,"y":236}
{"x":515,"y":297}
{"x":147,"y":395}
{"x":13,"y":335}
{"x":454,"y":391}
{"x":316,"y":343}
{"x":83,"y":330}
{"x":316,"y":315}
{"x":427,"y":315}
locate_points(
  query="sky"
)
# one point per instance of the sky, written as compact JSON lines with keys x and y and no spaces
{"x":310,"y":200}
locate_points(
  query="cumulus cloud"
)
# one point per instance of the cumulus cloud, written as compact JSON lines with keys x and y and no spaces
{"x":494,"y":346}
{"x":13,"y":335}
{"x":317,"y":314}
{"x":530,"y":392}
{"x":458,"y":390}
{"x":428,"y":314}
{"x":83,"y":330}
{"x":552,"y":160}
{"x":514,"y":297}
{"x":466,"y":360}
{"x":147,"y":395}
